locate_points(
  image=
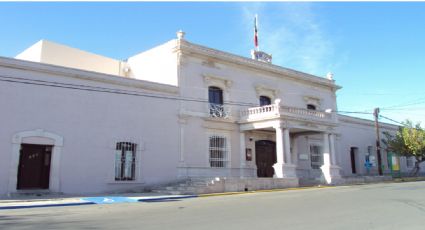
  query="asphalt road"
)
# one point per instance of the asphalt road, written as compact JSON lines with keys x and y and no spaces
{"x":381,"y":206}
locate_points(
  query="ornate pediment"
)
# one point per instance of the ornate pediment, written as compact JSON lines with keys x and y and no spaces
{"x":264,"y":90}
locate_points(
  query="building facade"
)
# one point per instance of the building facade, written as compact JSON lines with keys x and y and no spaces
{"x":76,"y":122}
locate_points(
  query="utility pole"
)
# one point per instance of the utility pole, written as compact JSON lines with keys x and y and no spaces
{"x":378,"y":141}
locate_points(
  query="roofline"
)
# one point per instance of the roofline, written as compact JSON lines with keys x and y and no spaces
{"x":366,"y":122}
{"x":86,"y":75}
{"x":184,"y":45}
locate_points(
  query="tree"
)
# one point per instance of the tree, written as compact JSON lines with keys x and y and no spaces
{"x":409,"y":141}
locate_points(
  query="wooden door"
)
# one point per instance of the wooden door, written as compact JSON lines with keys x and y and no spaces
{"x":34,"y":166}
{"x":265,"y":157}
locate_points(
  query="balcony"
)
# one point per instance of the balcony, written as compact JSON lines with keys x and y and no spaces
{"x":219,"y":111}
{"x":279,"y":111}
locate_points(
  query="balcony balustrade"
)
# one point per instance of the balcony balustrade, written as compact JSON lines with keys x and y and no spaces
{"x":219,"y":111}
{"x":276,"y":111}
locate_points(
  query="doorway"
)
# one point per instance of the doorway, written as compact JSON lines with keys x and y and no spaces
{"x":353,"y":153}
{"x":265,"y":157}
{"x":34,"y":166}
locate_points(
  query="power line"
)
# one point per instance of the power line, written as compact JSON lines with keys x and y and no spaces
{"x":128,"y":92}
{"x":108,"y":90}
{"x":391,"y":120}
{"x":356,"y":112}
{"x":415,"y":102}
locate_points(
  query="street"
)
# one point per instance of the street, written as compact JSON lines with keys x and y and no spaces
{"x":380,"y":206}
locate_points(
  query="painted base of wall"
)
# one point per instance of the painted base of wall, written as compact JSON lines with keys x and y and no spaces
{"x":246,"y":184}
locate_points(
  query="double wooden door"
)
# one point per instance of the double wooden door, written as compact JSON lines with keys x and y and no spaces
{"x":34,"y":166}
{"x":265,"y":158}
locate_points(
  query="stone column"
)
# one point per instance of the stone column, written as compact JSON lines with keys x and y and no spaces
{"x":242,"y":147}
{"x":326,"y":151}
{"x":278,"y":167}
{"x":182,"y":169}
{"x":283,"y":167}
{"x":182,"y":122}
{"x":287,"y":147}
{"x":329,"y":169}
{"x":332,"y":148}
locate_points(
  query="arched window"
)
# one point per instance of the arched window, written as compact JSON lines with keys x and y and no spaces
{"x":311,"y":107}
{"x":215,"y":95}
{"x":264,"y":100}
{"x":215,"y":99}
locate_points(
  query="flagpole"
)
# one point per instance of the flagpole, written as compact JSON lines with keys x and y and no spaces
{"x":257,"y":46}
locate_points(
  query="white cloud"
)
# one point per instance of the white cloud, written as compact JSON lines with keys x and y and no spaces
{"x":292,"y":33}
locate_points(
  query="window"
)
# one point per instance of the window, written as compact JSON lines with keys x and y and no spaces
{"x":264,"y":100}
{"x":311,"y":107}
{"x":218,"y":151}
{"x":125,"y":161}
{"x":316,"y":156}
{"x":215,"y":99}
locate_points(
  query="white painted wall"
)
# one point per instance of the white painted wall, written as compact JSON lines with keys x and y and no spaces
{"x":158,"y":64}
{"x":90,"y":124}
{"x":57,"y":54}
{"x":239,"y":84}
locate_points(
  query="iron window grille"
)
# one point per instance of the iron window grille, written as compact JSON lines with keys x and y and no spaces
{"x":218,"y":151}
{"x":215,"y":99}
{"x":316,"y":156}
{"x":125,"y":161}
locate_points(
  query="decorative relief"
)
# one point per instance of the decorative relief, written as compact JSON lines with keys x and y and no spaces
{"x":210,"y":63}
{"x":263,"y":90}
{"x":223,"y":83}
{"x":312,"y":100}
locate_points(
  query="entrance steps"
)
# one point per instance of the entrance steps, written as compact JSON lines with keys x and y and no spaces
{"x":192,"y":186}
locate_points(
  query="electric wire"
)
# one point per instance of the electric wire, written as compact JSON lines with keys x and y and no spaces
{"x":401,"y":123}
{"x":129,"y":92}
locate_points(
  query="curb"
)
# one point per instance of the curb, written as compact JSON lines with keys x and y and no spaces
{"x":147,"y":199}
{"x":45,"y":205}
{"x":261,"y":191}
{"x":167,"y":198}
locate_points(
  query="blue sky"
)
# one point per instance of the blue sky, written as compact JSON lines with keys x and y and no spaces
{"x":376,"y":50}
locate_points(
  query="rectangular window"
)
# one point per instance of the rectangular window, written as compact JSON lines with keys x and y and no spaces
{"x":218,"y":151}
{"x":316,"y":156}
{"x":125,"y":161}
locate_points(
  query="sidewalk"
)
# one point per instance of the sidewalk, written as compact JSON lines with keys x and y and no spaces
{"x":49,"y":200}
{"x":58,"y":200}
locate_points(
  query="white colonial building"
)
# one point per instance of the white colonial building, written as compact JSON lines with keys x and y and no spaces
{"x":76,"y":122}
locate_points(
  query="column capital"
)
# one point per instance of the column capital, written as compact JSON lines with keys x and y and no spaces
{"x":281,"y":125}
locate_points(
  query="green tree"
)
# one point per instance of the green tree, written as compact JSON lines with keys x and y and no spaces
{"x":409,"y":141}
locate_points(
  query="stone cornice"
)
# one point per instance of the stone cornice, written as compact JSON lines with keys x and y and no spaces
{"x":187,"y":47}
{"x":359,"y":121}
{"x":85,"y":75}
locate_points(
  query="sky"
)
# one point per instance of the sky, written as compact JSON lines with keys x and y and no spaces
{"x":376,"y":50}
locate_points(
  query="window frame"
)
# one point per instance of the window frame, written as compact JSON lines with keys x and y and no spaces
{"x":216,"y":102}
{"x":264,"y":98}
{"x":223,"y":162}
{"x":311,"y":107}
{"x":315,"y":165}
{"x":121,"y":148}
{"x":217,"y":92}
